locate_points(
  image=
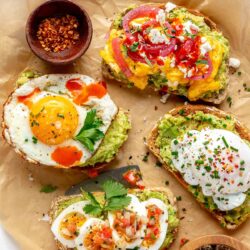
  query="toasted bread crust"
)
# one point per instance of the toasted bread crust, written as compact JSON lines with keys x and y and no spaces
{"x":55,"y":203}
{"x":216,"y":99}
{"x":190,"y":109}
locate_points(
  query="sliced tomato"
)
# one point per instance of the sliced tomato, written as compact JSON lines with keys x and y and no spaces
{"x":116,"y":46}
{"x":142,"y":11}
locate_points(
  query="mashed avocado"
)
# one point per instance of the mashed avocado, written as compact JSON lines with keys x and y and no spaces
{"x":26,"y":76}
{"x":113,"y":140}
{"x":171,"y":127}
{"x":173,"y":221}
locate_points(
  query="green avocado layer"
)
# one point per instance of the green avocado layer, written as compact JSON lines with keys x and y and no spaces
{"x":171,"y":127}
{"x":173,"y":221}
{"x":113,"y":140}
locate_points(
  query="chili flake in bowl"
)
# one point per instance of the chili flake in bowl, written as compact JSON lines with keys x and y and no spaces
{"x":59,"y":31}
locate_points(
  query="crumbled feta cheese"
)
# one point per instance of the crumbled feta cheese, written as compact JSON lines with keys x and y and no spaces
{"x":173,"y":84}
{"x":181,"y":38}
{"x":190,"y":73}
{"x":45,"y":218}
{"x":189,"y":26}
{"x":164,"y":98}
{"x":183,"y":70}
{"x":234,"y":62}
{"x":169,"y":6}
{"x":172,"y":63}
{"x":156,"y":36}
{"x":205,"y":46}
{"x":161,"y":17}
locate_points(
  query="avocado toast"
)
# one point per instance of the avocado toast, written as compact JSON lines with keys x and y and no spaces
{"x":115,"y":135}
{"x":223,"y":178}
{"x":161,"y":197}
{"x":169,"y":48}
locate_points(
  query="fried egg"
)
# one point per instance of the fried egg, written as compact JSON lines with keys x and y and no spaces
{"x":157,"y":225}
{"x":94,"y":234}
{"x":43,"y":116}
{"x":218,"y":161}
{"x":67,"y":225}
{"x":129,"y":224}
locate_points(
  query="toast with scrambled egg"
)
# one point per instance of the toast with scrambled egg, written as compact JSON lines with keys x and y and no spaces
{"x":162,"y":198}
{"x":169,"y":48}
{"x":207,"y":151}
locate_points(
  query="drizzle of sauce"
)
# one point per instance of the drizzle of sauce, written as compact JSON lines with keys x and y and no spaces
{"x":83,"y":92}
{"x":66,"y":156}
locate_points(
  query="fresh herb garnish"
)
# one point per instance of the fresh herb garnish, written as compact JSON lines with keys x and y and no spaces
{"x":34,"y":139}
{"x":229,"y":101}
{"x":134,"y":47}
{"x":234,"y":149}
{"x":89,"y":133}
{"x":181,"y":112}
{"x":48,"y":189}
{"x":225,"y":142}
{"x":115,"y":198}
{"x":60,"y":115}
{"x":145,"y":157}
{"x":201,"y":62}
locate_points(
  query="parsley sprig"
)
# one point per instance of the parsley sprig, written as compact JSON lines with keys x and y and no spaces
{"x":115,"y":198}
{"x":90,"y":132}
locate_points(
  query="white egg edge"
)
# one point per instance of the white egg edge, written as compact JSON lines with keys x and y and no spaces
{"x":163,"y":222}
{"x":75,"y":207}
{"x":141,"y":211}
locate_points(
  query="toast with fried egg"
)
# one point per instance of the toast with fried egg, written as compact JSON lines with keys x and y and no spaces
{"x":169,"y":48}
{"x":162,"y":197}
{"x":64,"y":121}
{"x":207,"y":150}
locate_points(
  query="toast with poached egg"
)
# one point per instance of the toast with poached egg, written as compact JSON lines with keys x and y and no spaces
{"x":208,"y":151}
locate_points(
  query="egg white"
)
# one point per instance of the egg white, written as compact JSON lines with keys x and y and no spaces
{"x":237,"y":182}
{"x":137,"y":207}
{"x":163,"y":222}
{"x":85,"y":230}
{"x":76,"y":207}
{"x":16,"y":117}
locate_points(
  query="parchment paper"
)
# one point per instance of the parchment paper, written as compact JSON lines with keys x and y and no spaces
{"x":21,"y":203}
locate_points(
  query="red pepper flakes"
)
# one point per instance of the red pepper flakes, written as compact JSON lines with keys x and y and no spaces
{"x":58,"y":33}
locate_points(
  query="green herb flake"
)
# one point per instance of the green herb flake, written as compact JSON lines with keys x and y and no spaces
{"x":229,"y":101}
{"x":34,"y":139}
{"x":234,"y":149}
{"x":134,"y":47}
{"x":225,"y":142}
{"x":60,"y":115}
{"x":158,"y":164}
{"x":201,"y":62}
{"x":178,"y":198}
{"x":181,"y":112}
{"x":48,"y":189}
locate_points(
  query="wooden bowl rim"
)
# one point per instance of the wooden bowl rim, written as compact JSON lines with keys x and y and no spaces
{"x":215,"y":239}
{"x":84,"y":45}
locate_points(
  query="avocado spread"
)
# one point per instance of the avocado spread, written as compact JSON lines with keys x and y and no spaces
{"x":143,"y":195}
{"x":171,"y":127}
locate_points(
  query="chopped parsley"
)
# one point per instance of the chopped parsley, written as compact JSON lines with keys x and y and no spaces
{"x":134,"y":47}
{"x":34,"y":139}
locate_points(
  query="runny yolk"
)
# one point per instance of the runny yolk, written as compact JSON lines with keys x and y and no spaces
{"x":82,"y":92}
{"x":53,"y":119}
{"x":26,"y":99}
{"x":66,"y":156}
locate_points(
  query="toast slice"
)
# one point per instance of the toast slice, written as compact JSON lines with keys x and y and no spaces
{"x":63,"y":201}
{"x":215,"y":97}
{"x":119,"y":127}
{"x":243,"y":132}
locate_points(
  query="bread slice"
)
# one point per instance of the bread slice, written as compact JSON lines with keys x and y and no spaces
{"x":29,"y":74}
{"x":54,"y":211}
{"x":190,"y":109}
{"x":216,"y":98}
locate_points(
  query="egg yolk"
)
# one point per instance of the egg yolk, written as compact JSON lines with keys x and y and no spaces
{"x":82,"y":92}
{"x":66,"y":156}
{"x":70,"y":224}
{"x":53,"y":119}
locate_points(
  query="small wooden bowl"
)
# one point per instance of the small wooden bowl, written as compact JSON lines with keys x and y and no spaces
{"x":215,"y":239}
{"x":56,"y":8}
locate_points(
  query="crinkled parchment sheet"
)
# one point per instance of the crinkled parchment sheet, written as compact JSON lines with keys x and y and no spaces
{"x":21,"y":203}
